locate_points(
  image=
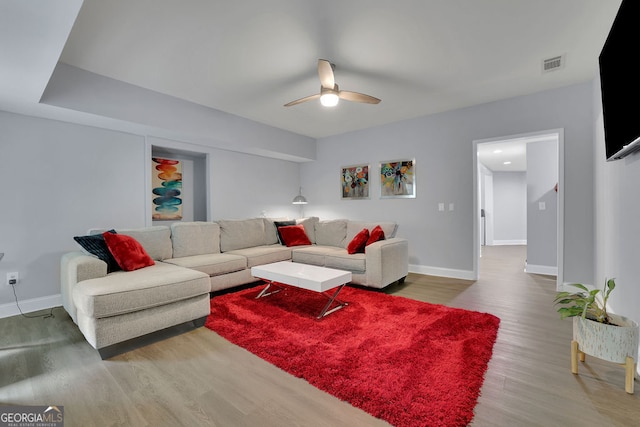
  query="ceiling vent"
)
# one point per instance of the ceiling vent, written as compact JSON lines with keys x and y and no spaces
{"x":553,"y":64}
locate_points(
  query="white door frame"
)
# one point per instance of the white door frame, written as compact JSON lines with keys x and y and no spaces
{"x":560,"y":217}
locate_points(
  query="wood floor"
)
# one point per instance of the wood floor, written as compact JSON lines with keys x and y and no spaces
{"x":199,"y":379}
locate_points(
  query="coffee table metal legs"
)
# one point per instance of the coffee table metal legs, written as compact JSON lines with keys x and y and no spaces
{"x":325,"y":311}
{"x":327,"y":308}
{"x":265,"y":292}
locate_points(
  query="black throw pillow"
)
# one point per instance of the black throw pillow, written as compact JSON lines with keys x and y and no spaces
{"x":283,"y":224}
{"x":95,"y":245}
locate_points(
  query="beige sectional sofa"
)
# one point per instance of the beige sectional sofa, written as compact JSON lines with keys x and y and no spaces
{"x":193,"y":259}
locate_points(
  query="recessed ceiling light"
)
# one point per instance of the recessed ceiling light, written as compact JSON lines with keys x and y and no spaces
{"x":497,"y":151}
{"x":507,"y":163}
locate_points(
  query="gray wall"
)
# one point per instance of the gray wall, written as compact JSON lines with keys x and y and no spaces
{"x":442,"y":242}
{"x":542,"y":224}
{"x":617,"y":228}
{"x":509,"y":208}
{"x":61,"y":179}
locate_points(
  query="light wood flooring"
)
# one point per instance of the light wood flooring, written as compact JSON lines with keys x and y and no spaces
{"x":199,"y":379}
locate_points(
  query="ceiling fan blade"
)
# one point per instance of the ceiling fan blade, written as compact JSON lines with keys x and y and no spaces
{"x":325,"y":71}
{"x":301,"y":100}
{"x":358,"y":97}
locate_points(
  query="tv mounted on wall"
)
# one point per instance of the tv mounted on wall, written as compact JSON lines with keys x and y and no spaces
{"x":620,"y":83}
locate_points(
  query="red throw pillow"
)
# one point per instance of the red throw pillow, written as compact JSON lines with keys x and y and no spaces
{"x":376,"y":234}
{"x":294,"y":235}
{"x":127,"y":251}
{"x":357,"y":244}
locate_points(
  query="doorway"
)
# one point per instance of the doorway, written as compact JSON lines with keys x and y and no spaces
{"x":536,"y":160}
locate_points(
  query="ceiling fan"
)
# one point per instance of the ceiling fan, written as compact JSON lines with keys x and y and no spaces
{"x":330,"y":94}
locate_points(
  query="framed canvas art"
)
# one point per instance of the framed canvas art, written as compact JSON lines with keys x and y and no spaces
{"x":398,"y":178}
{"x":166,"y":183}
{"x":354,"y":182}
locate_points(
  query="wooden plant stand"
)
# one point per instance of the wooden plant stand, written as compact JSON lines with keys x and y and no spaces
{"x":629,"y":365}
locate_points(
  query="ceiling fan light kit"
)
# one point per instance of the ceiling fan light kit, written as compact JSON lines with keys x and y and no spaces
{"x":329,"y":98}
{"x":330,"y":94}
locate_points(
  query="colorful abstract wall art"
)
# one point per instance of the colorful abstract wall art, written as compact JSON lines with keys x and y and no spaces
{"x":355,"y":182}
{"x":166,"y":182}
{"x":398,"y":179}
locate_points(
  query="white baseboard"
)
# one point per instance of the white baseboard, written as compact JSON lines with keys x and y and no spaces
{"x":541,"y":269}
{"x":441,"y":272}
{"x":509,"y":242}
{"x":30,"y":305}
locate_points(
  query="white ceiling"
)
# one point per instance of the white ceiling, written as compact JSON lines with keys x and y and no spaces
{"x":510,"y":156}
{"x":250,"y":57}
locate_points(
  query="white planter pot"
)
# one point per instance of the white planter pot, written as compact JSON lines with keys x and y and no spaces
{"x":617,"y":344}
{"x":607,"y":342}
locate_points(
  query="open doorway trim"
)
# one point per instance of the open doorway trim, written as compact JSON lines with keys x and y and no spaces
{"x":476,"y":195}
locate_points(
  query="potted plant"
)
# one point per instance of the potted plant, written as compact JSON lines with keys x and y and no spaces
{"x":599,"y":333}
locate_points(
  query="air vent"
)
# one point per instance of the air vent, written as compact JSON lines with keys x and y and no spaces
{"x":552,"y":64}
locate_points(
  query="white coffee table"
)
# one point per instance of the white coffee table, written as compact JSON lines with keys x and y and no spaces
{"x":305,"y":276}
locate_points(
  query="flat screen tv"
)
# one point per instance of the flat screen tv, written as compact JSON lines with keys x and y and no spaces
{"x":620,"y":82}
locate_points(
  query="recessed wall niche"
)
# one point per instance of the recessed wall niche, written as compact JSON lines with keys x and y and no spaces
{"x":194,"y":183}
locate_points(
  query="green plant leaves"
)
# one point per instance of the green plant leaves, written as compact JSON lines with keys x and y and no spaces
{"x":585,"y":304}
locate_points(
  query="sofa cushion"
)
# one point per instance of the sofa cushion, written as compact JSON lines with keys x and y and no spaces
{"x":241,"y":233}
{"x":259,"y":255}
{"x":195,"y":238}
{"x":309,"y":225}
{"x":314,"y":255}
{"x":354,"y":227}
{"x":376,"y":235}
{"x":128,"y":253}
{"x":95,"y":245}
{"x":128,"y":291}
{"x":294,"y":235}
{"x":355,"y":263}
{"x":155,"y":240}
{"x":332,"y":233}
{"x":357,"y":244}
{"x":279,"y":224}
{"x":212,"y":264}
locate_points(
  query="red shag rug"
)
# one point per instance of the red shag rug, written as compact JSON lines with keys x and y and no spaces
{"x":407,"y":362}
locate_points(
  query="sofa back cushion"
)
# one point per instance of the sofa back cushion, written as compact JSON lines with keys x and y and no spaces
{"x":155,"y":240}
{"x":332,"y":233}
{"x":241,"y":233}
{"x":195,"y":238}
{"x":270,"y":230}
{"x":309,"y":225}
{"x":354,"y":227}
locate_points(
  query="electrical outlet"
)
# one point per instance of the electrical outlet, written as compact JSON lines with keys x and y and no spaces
{"x":12,"y":278}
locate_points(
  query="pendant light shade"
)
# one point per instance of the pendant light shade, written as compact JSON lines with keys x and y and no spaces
{"x":299,"y":199}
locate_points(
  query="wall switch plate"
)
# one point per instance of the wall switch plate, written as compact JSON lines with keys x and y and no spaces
{"x":12,"y":278}
{"x":542,"y":206}
{"x":451,"y":206}
{"x":441,"y":207}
